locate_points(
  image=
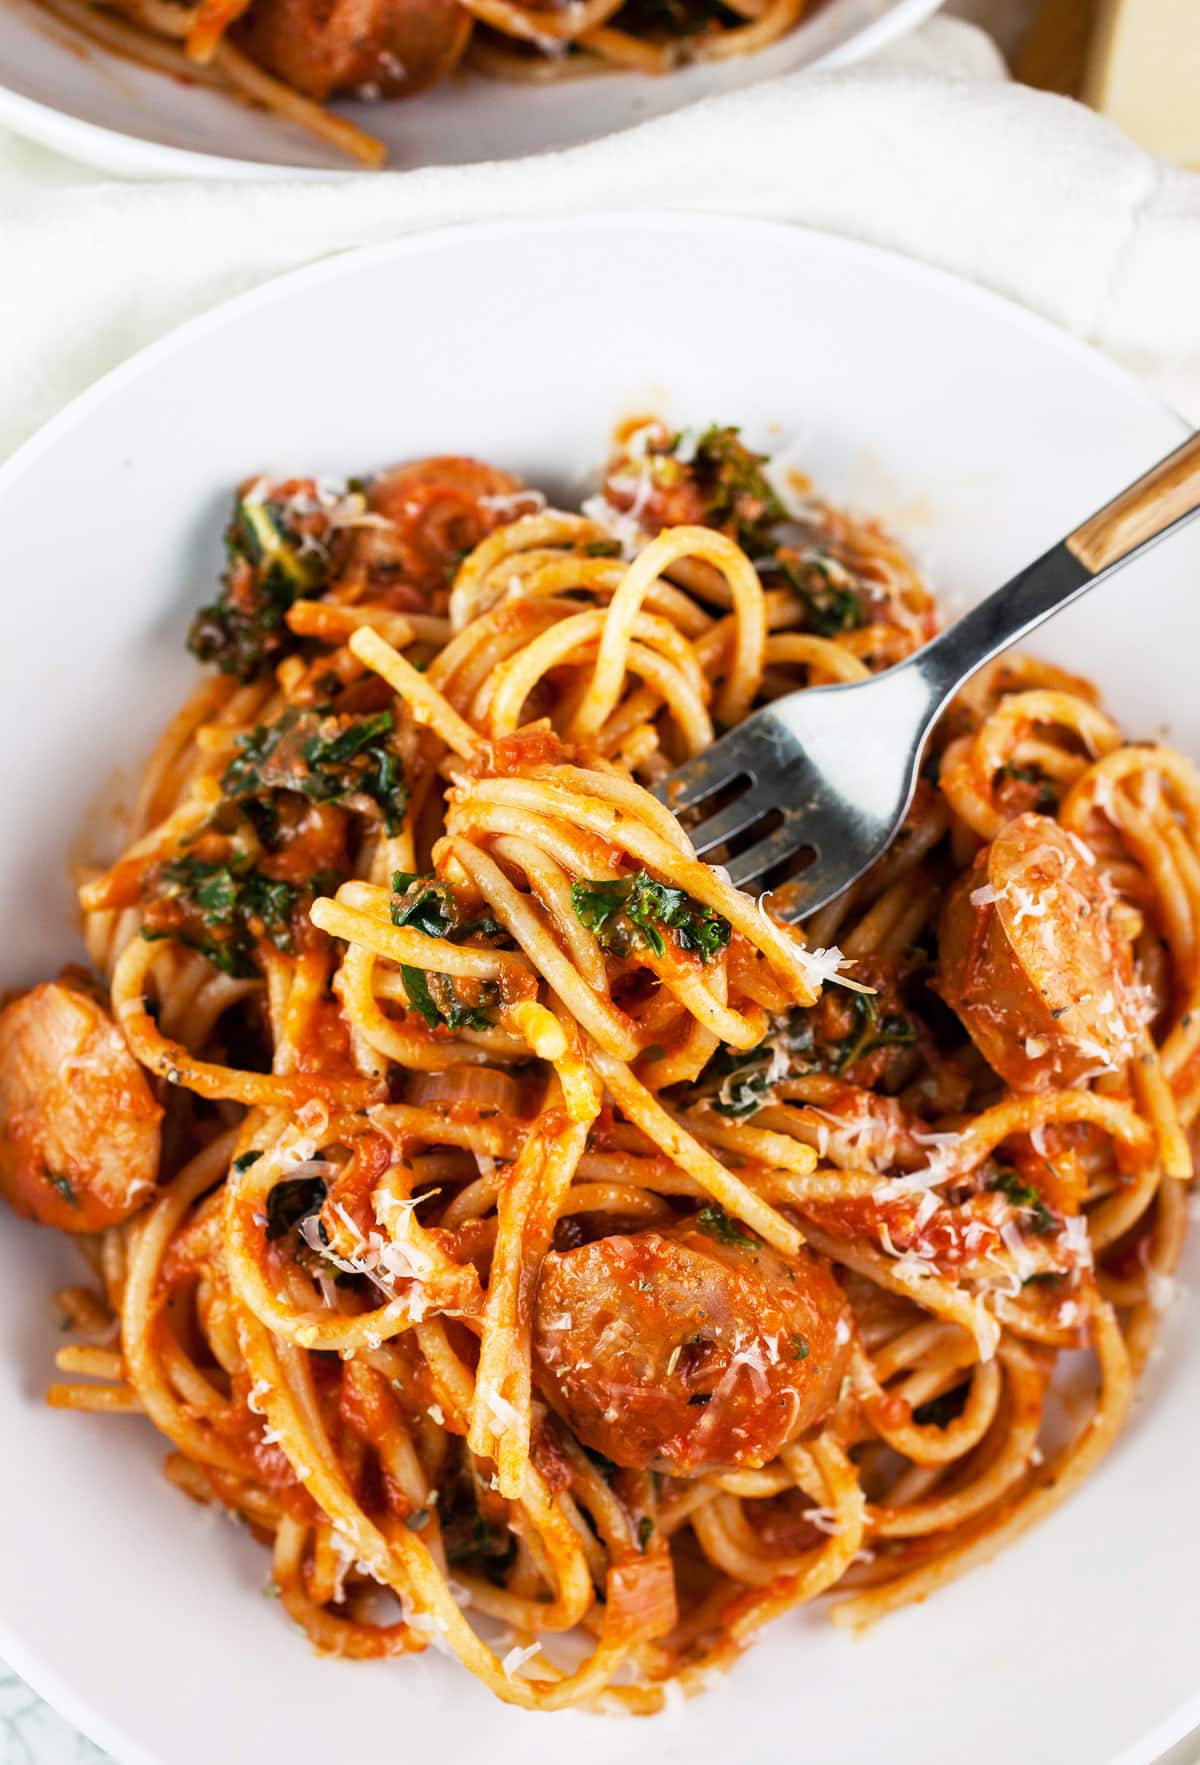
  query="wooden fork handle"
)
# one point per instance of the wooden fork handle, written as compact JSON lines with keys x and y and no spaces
{"x":1167,"y":493}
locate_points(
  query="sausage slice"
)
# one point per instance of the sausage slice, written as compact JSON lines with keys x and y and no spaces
{"x":391,"y":47}
{"x":691,"y":1348}
{"x":1035,"y":960}
{"x":79,"y":1125}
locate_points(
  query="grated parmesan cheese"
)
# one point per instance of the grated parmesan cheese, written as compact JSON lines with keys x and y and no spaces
{"x":502,"y":1413}
{"x":1023,"y":1262}
{"x":516,"y":1658}
{"x":513,"y":504}
{"x":926,"y":1208}
{"x":824,"y":1519}
{"x":1161,"y":1290}
{"x":820,"y":966}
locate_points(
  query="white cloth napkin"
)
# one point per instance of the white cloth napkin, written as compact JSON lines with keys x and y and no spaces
{"x":926,"y":149}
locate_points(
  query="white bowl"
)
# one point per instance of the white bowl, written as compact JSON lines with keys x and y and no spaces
{"x":103,"y":109}
{"x":981,"y":435}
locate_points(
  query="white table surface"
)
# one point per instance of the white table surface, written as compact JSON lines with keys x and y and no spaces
{"x":30,"y":1732}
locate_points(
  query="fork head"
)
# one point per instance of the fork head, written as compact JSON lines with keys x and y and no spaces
{"x":824,"y":775}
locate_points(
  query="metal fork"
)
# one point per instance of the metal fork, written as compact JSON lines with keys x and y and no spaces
{"x":839,"y":764}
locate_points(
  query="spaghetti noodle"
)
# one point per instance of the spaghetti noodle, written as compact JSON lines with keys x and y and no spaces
{"x":499,"y":1212}
{"x":290,"y":56}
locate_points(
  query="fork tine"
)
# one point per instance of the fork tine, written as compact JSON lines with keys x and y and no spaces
{"x":701,"y":777}
{"x":740,"y":754}
{"x":727,"y":823}
{"x":813,"y":889}
{"x":782,"y":843}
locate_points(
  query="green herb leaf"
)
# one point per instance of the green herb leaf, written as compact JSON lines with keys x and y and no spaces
{"x":739,"y":497}
{"x":717,"y":1223}
{"x":740,"y":1076}
{"x":596,"y":903}
{"x":1024,"y":1195}
{"x":630,"y":910}
{"x":220,"y":909}
{"x":743,"y":1082}
{"x":325,"y":758}
{"x":419,"y":996}
{"x":1046,"y":801}
{"x":429,"y":906}
{"x":826,"y":588}
{"x":873,"y":1030}
{"x":268,"y":565}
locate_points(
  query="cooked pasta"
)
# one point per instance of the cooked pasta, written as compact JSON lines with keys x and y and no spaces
{"x":550,"y":1253}
{"x":290,"y":56}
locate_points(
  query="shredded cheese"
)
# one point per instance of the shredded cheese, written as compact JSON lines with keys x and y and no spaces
{"x":516,"y":1658}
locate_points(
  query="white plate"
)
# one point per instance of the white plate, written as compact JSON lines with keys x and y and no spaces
{"x":981,"y":435}
{"x":102,"y":109}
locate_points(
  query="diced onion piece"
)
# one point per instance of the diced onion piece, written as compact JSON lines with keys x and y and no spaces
{"x":481,"y":1086}
{"x":640,"y":1598}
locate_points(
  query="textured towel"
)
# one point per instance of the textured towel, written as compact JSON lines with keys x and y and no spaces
{"x":926,"y":149}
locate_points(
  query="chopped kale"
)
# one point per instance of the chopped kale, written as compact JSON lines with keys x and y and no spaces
{"x":717,"y":1223}
{"x":826,"y":589}
{"x":744,"y":1075}
{"x":595,"y":903}
{"x":221,"y":909}
{"x":424,"y":903}
{"x":292,"y":1201}
{"x":1026,"y":1196}
{"x":268,"y":566}
{"x":429,"y":906}
{"x":1046,"y":801}
{"x":872,"y":1030}
{"x":636,"y":910}
{"x":446,"y":1007}
{"x":739,"y":1081}
{"x":325,"y":758}
{"x":738,"y":496}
